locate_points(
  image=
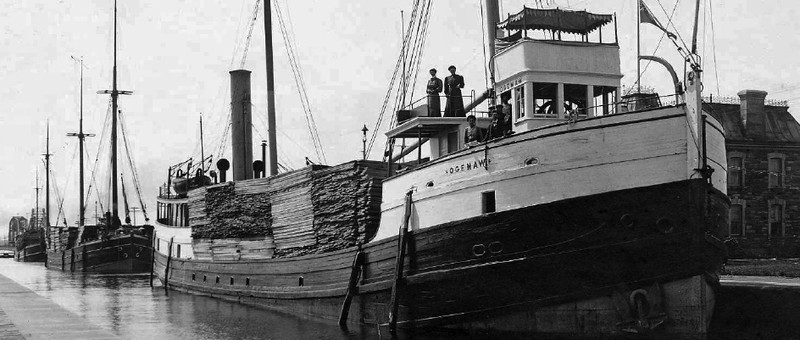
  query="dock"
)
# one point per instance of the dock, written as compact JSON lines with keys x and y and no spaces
{"x":27,"y":315}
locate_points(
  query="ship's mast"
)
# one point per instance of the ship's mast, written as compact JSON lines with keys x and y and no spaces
{"x":114,"y":97}
{"x":36,"y":211}
{"x":47,"y":180}
{"x":273,"y":149}
{"x":81,"y":140}
{"x":114,"y":111}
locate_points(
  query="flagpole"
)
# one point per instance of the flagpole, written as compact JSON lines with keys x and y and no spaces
{"x":638,"y":46}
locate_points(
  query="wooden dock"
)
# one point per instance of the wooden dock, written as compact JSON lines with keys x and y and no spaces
{"x":27,"y":315}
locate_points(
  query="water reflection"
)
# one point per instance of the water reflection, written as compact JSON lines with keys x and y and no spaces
{"x":126,"y":305}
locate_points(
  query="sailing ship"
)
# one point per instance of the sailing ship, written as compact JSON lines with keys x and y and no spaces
{"x":30,"y":242}
{"x":601,"y":216}
{"x":110,"y":246}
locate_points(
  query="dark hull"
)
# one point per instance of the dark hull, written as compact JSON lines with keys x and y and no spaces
{"x":31,"y":253}
{"x":531,"y":269}
{"x":127,"y":254}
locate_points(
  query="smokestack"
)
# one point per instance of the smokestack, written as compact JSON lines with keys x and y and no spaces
{"x":241,"y":125}
{"x":751,"y":108}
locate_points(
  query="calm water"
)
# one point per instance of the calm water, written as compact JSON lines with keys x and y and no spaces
{"x":126,"y":305}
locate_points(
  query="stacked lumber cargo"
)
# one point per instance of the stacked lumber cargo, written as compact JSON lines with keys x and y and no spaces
{"x":233,"y":249}
{"x":311,"y":210}
{"x":197,"y":207}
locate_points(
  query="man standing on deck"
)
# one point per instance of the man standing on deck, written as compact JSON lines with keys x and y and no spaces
{"x":452,"y":89}
{"x":433,"y":90}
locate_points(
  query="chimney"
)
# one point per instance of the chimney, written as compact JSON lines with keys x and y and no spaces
{"x":752,"y":112}
{"x":241,"y":125}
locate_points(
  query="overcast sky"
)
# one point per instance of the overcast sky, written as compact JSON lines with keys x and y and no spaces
{"x":175,"y":56}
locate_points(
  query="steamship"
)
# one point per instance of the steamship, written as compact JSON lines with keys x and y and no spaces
{"x":604,"y":215}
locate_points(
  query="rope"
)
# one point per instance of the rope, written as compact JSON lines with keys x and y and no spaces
{"x":132,"y":165}
{"x":100,"y":147}
{"x":300,"y":82}
{"x":250,"y":32}
{"x":714,"y":43}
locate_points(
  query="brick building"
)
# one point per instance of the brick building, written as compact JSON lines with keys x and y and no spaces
{"x":763,"y":144}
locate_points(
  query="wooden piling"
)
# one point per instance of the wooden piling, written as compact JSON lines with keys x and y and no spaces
{"x":355,"y":272}
{"x":398,"y":269}
{"x":166,"y":268}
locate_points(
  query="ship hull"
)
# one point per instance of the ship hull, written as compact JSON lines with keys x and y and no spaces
{"x":572,"y":266}
{"x":123,"y":254}
{"x":31,"y":253}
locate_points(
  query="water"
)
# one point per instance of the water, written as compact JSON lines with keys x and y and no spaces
{"x":127,"y":306}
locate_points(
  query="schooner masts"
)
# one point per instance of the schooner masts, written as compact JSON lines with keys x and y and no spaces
{"x":81,"y":139}
{"x":114,"y":111}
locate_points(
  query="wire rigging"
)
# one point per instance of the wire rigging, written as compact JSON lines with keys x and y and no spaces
{"x":250,"y":32}
{"x":300,"y":83}
{"x":416,"y":30}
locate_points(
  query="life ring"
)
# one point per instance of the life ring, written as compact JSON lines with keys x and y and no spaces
{"x":124,"y":255}
{"x":137,"y":254}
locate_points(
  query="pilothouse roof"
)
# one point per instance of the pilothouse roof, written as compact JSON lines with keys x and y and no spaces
{"x":578,"y":22}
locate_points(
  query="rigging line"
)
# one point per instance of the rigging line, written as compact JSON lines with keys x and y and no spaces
{"x":132,"y":164}
{"x":315,"y":131}
{"x":687,"y":50}
{"x":238,"y":31}
{"x":250,"y":32}
{"x":100,"y":146}
{"x":714,"y":43}
{"x":421,"y":48}
{"x":660,"y":40}
{"x":385,"y":103}
{"x":302,"y":89}
{"x":418,"y":48}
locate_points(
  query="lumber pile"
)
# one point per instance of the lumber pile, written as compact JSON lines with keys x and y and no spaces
{"x":197,"y":207}
{"x":311,"y":210}
{"x":233,"y":249}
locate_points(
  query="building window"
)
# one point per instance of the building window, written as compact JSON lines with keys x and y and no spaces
{"x":775,"y":170}
{"x":737,"y":219}
{"x":519,"y":101}
{"x":488,"y":203}
{"x":179,"y":251}
{"x":776,"y":209}
{"x":736,"y":170}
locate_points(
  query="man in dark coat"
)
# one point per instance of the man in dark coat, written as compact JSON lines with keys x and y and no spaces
{"x":452,"y":89}
{"x":433,"y":90}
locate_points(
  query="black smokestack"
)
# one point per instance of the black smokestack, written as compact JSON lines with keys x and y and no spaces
{"x":241,"y":125}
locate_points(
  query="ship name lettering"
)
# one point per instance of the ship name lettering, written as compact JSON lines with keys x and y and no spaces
{"x":473,"y":165}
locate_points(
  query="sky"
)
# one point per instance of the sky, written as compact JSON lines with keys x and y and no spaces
{"x":175,"y":56}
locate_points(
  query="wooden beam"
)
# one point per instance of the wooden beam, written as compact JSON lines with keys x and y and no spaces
{"x":355,"y":272}
{"x":398,"y":269}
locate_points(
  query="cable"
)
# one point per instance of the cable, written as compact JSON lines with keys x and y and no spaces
{"x":714,"y":43}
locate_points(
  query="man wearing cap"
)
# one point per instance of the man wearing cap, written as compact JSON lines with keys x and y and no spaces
{"x":433,"y":90}
{"x":452,"y":89}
